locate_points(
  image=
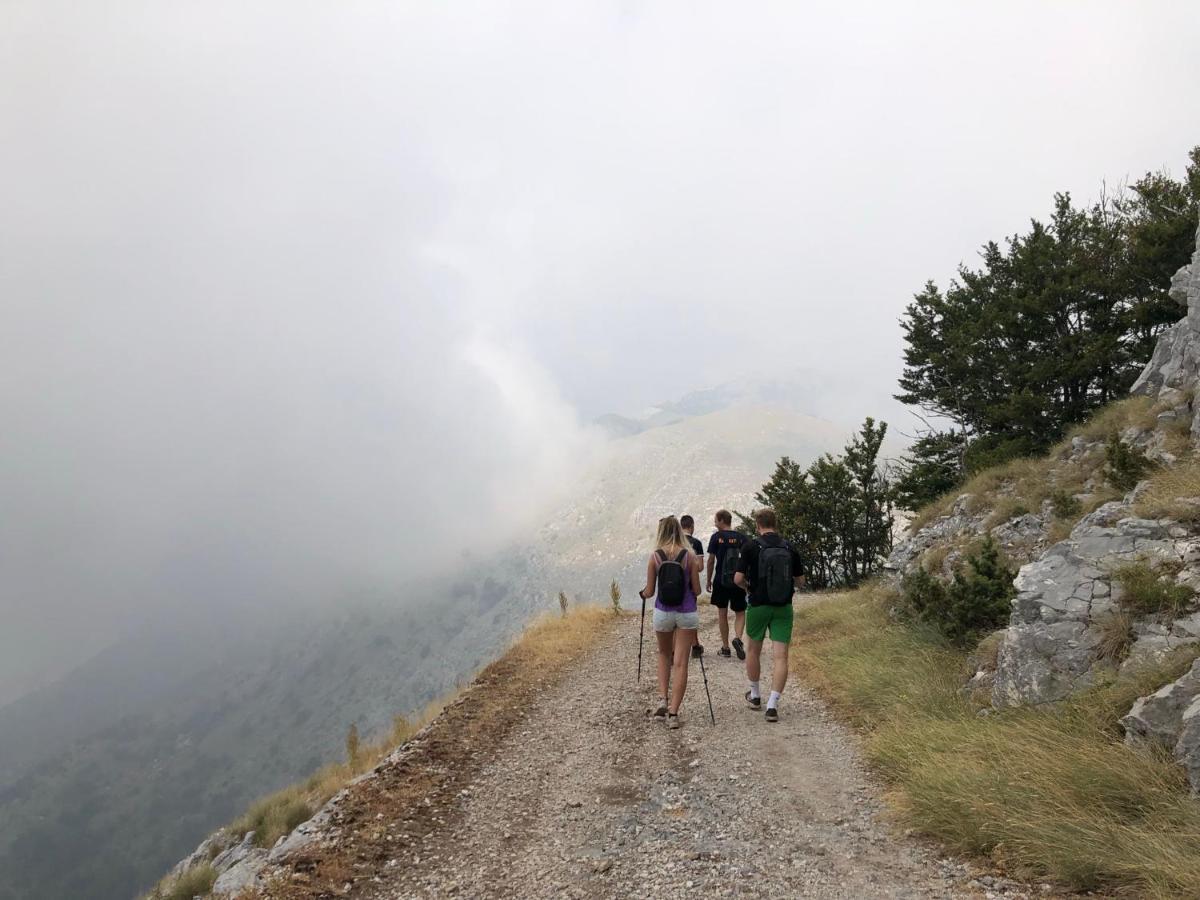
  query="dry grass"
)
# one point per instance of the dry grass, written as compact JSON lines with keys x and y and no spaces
{"x":1116,"y":637}
{"x":1148,"y":589}
{"x":1023,"y":484}
{"x":1174,"y":493}
{"x":195,"y":882}
{"x":1051,"y":793}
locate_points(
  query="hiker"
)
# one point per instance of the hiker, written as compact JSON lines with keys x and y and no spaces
{"x":673,"y":577}
{"x":770,"y":570}
{"x":724,"y":550}
{"x":688,"y":524}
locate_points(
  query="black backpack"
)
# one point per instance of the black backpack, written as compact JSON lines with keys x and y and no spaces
{"x":774,"y":582}
{"x":729,"y":562}
{"x":672,"y":579}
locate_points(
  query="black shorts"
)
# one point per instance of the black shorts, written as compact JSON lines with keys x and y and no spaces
{"x":728,"y":596}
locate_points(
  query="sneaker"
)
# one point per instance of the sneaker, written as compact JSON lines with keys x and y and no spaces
{"x":724,"y":651}
{"x":739,"y":647}
{"x":661,"y":712}
{"x":672,"y":720}
{"x":772,"y":714}
{"x":755,"y":702}
{"x":697,"y":651}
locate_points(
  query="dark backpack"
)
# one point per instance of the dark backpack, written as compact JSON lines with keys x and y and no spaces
{"x":729,"y":562}
{"x":774,"y":582}
{"x":672,"y":579}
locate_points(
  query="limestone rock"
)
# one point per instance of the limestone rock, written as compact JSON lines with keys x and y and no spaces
{"x":240,"y":875}
{"x":1063,"y":599}
{"x":1159,"y":716}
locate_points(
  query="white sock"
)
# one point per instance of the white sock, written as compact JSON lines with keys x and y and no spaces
{"x":754,"y":692}
{"x":773,"y":701}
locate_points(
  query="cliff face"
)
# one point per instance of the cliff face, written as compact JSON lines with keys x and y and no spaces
{"x":1173,"y":372}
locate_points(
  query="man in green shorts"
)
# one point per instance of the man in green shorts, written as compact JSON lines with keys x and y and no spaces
{"x":770,"y":571}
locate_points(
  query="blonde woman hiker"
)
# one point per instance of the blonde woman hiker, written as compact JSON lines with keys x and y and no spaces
{"x":673,"y":577}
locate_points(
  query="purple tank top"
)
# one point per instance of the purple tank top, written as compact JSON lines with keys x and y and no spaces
{"x":689,"y":596}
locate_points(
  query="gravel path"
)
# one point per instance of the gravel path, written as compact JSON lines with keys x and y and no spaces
{"x":589,"y":797}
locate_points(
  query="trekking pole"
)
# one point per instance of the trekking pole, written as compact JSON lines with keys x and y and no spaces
{"x":641,"y":634}
{"x":700,"y":656}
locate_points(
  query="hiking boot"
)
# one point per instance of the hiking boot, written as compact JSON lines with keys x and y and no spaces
{"x":739,"y":647}
{"x":697,"y":651}
{"x":672,"y":720}
{"x":755,"y":702}
{"x":724,"y":651}
{"x":772,"y":714}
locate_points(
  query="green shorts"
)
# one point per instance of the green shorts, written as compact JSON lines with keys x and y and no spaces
{"x":775,"y":620}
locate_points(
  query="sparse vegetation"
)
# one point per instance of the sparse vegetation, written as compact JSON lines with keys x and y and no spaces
{"x":1050,"y":793}
{"x":614,"y":594}
{"x":1147,"y":589}
{"x":1057,"y":476}
{"x":976,"y":600}
{"x":352,"y":745}
{"x":562,"y":603}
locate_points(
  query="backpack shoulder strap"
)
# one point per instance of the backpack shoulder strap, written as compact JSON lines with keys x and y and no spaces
{"x":661,"y":554}
{"x":681,"y":557}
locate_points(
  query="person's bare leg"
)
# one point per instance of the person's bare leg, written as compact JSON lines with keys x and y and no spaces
{"x":684,"y":639}
{"x":665,"y":640}
{"x":723,"y":623}
{"x":779,"y":666}
{"x":753,"y":659}
{"x":739,"y":624}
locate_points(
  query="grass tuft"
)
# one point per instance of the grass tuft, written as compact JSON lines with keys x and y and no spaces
{"x":1174,"y":493}
{"x":195,"y":882}
{"x":1147,"y":590}
{"x":1049,"y":793}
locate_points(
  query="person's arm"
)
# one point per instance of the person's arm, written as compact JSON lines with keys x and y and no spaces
{"x":694,"y":569}
{"x":712,"y":560}
{"x":648,"y":591}
{"x":797,"y":570}
{"x":743,"y":566}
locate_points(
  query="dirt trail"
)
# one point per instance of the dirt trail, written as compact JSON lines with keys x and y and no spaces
{"x":588,"y":797}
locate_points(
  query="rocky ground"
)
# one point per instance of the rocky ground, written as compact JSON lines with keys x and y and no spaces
{"x":589,"y":797}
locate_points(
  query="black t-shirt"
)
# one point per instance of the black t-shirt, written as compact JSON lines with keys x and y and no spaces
{"x":719,"y":543}
{"x":697,"y":547}
{"x":748,"y":563}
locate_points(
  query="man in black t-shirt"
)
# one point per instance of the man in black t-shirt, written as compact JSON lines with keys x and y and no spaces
{"x":770,"y":588}
{"x":726,"y":596}
{"x":688,"y":524}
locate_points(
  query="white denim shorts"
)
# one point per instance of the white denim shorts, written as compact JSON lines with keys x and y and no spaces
{"x":665,"y":620}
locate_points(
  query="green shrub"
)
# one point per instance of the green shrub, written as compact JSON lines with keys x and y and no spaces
{"x":1124,"y":465}
{"x":1149,"y":591}
{"x":1064,"y":505}
{"x":972,"y":604}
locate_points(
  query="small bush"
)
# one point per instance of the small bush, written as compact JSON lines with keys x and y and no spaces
{"x":1124,"y":466}
{"x":562,"y":603}
{"x":1148,"y":591}
{"x":614,"y":594}
{"x":1064,"y":505}
{"x":274,"y":816}
{"x":973,"y":603}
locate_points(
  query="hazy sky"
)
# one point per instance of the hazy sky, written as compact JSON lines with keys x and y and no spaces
{"x":285,"y":284}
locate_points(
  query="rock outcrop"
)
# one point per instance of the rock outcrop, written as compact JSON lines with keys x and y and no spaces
{"x":1173,"y":372}
{"x":1170,"y":717}
{"x":1065,"y":597}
